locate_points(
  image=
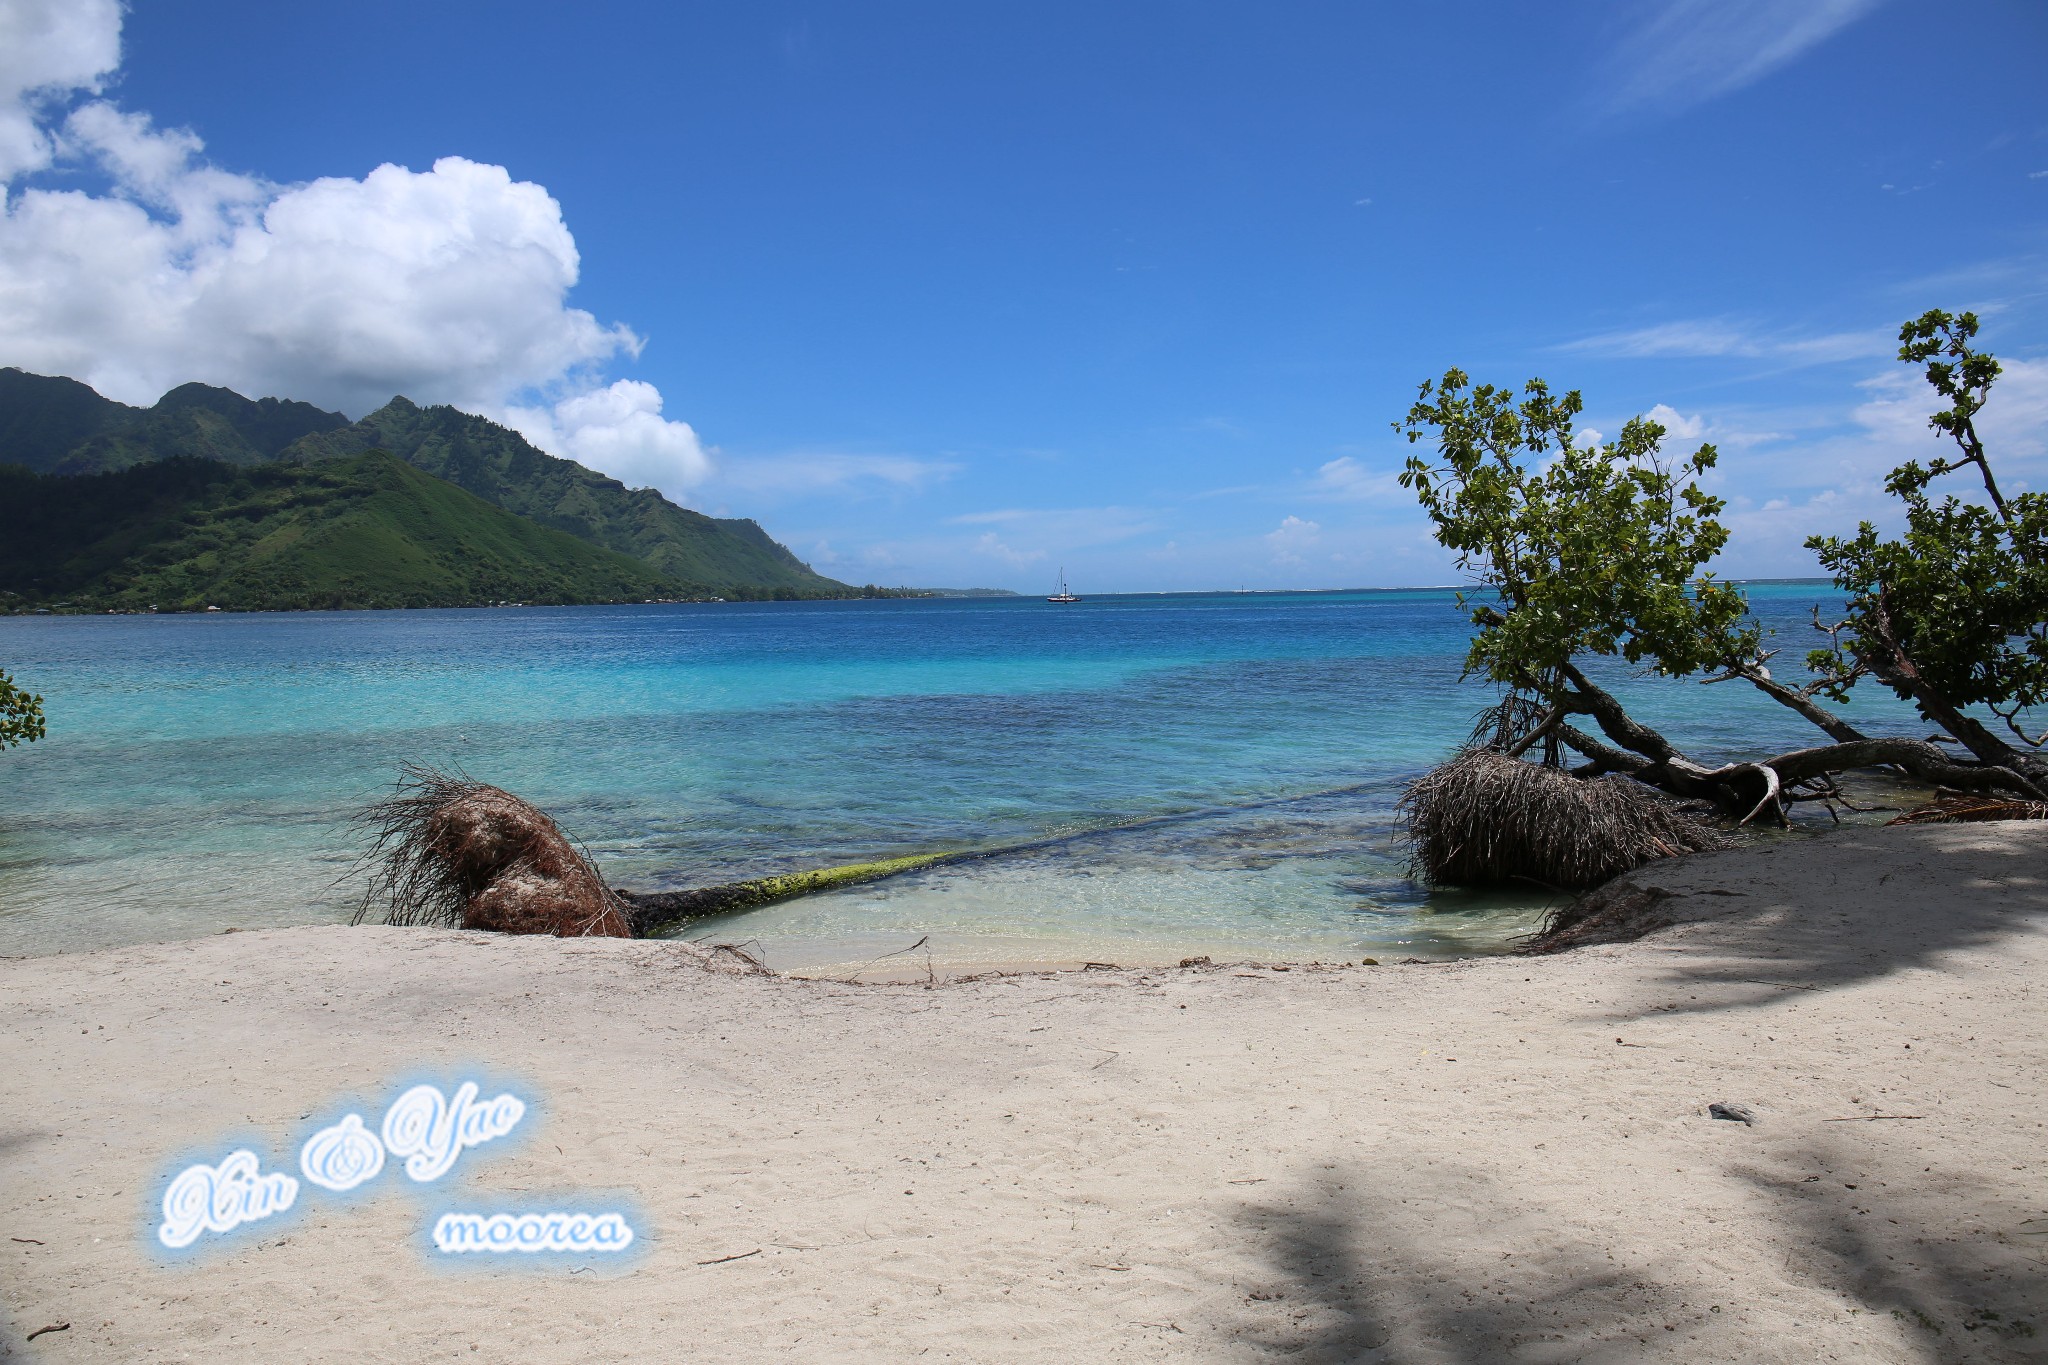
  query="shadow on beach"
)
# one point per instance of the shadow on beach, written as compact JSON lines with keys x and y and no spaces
{"x":1446,"y":1272}
{"x":1453,"y":1268}
{"x":1849,"y":906}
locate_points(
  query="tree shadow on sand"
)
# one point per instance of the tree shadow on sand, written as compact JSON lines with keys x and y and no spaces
{"x":1449,"y":1268}
{"x":1964,"y":1289}
{"x":1420,"y":1277}
{"x":1875,"y":900}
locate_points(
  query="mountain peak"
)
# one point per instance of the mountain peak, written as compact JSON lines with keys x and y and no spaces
{"x":197,"y":395}
{"x":63,"y":427}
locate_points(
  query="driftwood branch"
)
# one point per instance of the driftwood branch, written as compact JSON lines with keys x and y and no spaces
{"x":1757,"y":789}
{"x":1893,"y":666}
{"x":1757,"y":673}
{"x":1916,"y":756}
{"x":1543,"y":729}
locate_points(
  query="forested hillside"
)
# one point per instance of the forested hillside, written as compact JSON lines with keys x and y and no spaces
{"x":207,"y":495}
{"x":366,"y":531}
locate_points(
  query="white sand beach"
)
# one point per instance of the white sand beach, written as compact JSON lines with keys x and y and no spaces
{"x":1506,"y":1159}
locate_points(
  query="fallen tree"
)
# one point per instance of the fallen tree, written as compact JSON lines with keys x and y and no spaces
{"x":448,"y":851}
{"x":650,"y":912}
{"x":1587,"y":549}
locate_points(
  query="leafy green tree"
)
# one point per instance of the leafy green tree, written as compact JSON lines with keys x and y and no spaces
{"x":1954,"y":613}
{"x":21,"y":714}
{"x":1586,"y":549}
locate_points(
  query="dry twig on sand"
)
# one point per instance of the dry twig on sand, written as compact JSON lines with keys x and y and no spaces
{"x":1950,"y":807}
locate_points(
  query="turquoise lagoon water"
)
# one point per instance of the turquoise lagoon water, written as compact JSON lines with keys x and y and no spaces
{"x":1218,"y":773}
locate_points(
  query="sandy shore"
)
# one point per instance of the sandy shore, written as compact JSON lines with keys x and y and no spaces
{"x":1498,"y":1160}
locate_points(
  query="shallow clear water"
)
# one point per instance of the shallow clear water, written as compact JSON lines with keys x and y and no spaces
{"x":200,"y":770}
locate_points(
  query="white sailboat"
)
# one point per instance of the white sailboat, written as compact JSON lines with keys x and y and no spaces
{"x":1063,"y":595}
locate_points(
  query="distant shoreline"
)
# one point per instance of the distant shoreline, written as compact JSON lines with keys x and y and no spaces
{"x":890,"y":595}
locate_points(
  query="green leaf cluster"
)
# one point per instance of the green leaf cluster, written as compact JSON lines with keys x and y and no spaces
{"x":21,"y":714}
{"x":1962,"y":595}
{"x":1584,"y":546}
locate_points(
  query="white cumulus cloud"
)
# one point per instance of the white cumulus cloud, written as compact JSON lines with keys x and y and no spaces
{"x":620,"y":430}
{"x":1292,"y":540}
{"x":48,"y":49}
{"x":449,"y":285}
{"x":1677,"y":426}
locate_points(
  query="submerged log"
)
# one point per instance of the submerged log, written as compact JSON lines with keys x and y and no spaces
{"x":650,"y":912}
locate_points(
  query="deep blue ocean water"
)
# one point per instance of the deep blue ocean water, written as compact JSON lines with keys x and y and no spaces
{"x":200,"y":770}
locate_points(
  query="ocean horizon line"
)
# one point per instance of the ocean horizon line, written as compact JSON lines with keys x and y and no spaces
{"x":1821,"y":580}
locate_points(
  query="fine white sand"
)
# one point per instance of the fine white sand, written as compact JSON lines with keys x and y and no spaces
{"x":1497,"y":1160}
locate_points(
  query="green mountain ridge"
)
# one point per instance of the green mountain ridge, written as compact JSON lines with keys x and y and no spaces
{"x":267,"y":503}
{"x":501,"y":466}
{"x":204,"y":422}
{"x":365,"y":531}
{"x":43,"y":418}
{"x":60,"y":426}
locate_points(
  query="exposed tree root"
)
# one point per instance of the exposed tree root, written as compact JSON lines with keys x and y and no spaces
{"x":1486,"y":819}
{"x":1619,"y":912}
{"x":450,"y":851}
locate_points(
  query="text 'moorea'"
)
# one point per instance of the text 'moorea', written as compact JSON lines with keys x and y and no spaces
{"x":426,"y":1131}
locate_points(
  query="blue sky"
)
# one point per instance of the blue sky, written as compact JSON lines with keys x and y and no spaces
{"x":961,"y":294}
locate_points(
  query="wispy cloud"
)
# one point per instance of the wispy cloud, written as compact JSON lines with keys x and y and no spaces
{"x":833,"y":472}
{"x":1708,"y":337}
{"x":1685,"y":52}
{"x":1349,"y":479}
{"x":2014,"y":423}
{"x":1828,"y":475}
{"x":1061,"y":528}
{"x":1986,"y":286}
{"x":990,"y":544}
